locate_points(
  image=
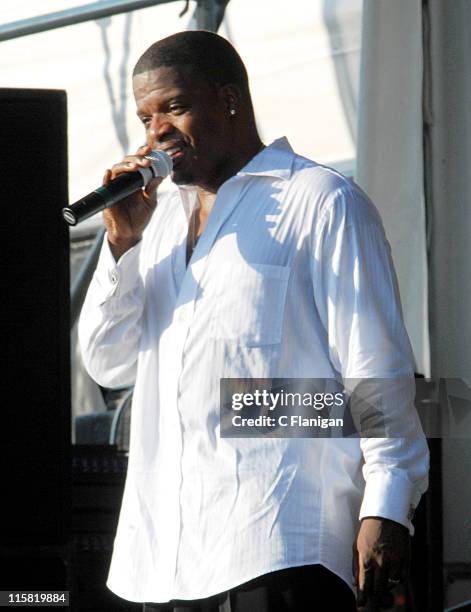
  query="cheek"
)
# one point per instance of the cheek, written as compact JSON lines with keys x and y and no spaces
{"x":213,"y":138}
{"x":185,"y":128}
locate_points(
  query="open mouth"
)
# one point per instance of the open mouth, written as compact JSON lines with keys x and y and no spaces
{"x":176,"y":153}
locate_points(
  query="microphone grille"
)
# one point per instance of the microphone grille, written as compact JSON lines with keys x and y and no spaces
{"x":161,"y":163}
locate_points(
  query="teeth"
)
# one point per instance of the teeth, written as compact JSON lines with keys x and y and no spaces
{"x":172,"y":151}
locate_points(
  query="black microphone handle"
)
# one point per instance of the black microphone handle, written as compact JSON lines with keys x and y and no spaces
{"x":103,"y":197}
{"x":119,"y":188}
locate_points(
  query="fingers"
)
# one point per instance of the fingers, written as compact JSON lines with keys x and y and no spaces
{"x":131,"y":163}
{"x":383,"y":561}
{"x":382,"y":596}
{"x":150,"y":137}
{"x":374,"y":586}
{"x":365,"y":583}
{"x":152,"y":185}
{"x":144,"y":149}
{"x":397,"y":573}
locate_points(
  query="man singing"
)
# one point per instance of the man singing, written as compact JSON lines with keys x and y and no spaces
{"x":259,"y":264}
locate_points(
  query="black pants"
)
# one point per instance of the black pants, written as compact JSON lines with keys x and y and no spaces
{"x":310,"y":588}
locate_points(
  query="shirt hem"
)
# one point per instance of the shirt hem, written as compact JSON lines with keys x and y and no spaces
{"x":226,"y":586}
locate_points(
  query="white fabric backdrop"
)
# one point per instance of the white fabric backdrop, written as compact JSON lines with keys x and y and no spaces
{"x":301,"y":59}
{"x":389,"y":149}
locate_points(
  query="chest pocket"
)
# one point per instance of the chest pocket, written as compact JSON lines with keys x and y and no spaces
{"x":250,"y":303}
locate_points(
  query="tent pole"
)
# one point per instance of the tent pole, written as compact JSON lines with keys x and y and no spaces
{"x":79,"y":14}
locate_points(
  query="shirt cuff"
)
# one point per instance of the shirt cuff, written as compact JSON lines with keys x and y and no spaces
{"x":388,"y":495}
{"x":117,"y":277}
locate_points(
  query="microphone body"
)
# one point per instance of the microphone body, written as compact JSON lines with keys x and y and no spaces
{"x":122,"y":186}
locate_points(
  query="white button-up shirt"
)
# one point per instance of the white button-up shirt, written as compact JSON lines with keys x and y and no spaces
{"x":292,"y":277}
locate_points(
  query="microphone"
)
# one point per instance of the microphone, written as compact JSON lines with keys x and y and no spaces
{"x":120,"y":187}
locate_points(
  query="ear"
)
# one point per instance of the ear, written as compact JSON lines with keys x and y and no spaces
{"x":230,"y":96}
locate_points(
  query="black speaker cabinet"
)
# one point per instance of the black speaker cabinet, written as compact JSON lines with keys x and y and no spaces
{"x":35,"y":411}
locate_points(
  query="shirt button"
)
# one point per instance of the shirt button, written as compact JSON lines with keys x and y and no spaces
{"x":113,"y":278}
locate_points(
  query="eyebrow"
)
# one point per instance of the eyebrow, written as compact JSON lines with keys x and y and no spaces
{"x":171,"y":98}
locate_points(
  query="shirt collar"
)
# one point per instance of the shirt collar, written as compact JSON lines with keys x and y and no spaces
{"x":275,"y":160}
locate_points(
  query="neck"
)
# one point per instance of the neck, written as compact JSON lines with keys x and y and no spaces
{"x":245,"y":152}
{"x":206,"y":199}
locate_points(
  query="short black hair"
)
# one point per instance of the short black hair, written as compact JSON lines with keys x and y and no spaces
{"x":207,"y":55}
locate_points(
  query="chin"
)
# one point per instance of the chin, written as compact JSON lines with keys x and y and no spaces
{"x":180,"y":177}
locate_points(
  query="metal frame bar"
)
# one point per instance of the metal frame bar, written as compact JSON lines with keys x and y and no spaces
{"x":206,"y":15}
{"x":209,"y":14}
{"x":78,"y":290}
{"x":124,"y":404}
{"x":79,"y":14}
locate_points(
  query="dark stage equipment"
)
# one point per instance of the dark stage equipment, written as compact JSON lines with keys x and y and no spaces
{"x":35,"y":416}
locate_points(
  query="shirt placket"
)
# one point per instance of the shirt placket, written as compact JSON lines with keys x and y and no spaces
{"x":185,"y":311}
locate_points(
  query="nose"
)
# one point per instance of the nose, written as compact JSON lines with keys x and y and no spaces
{"x":159,"y":127}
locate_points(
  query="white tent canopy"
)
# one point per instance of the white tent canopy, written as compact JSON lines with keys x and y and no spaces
{"x":292,"y":63}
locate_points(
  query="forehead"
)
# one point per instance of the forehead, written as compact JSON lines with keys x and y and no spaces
{"x":161,"y":84}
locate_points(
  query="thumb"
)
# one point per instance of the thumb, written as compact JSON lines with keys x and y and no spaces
{"x":152,"y":185}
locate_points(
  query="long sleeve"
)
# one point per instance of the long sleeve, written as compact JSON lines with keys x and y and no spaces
{"x":357,"y":297}
{"x":110,"y":322}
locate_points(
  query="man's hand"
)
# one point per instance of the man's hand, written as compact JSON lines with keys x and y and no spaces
{"x":126,"y":220}
{"x":382,"y":561}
